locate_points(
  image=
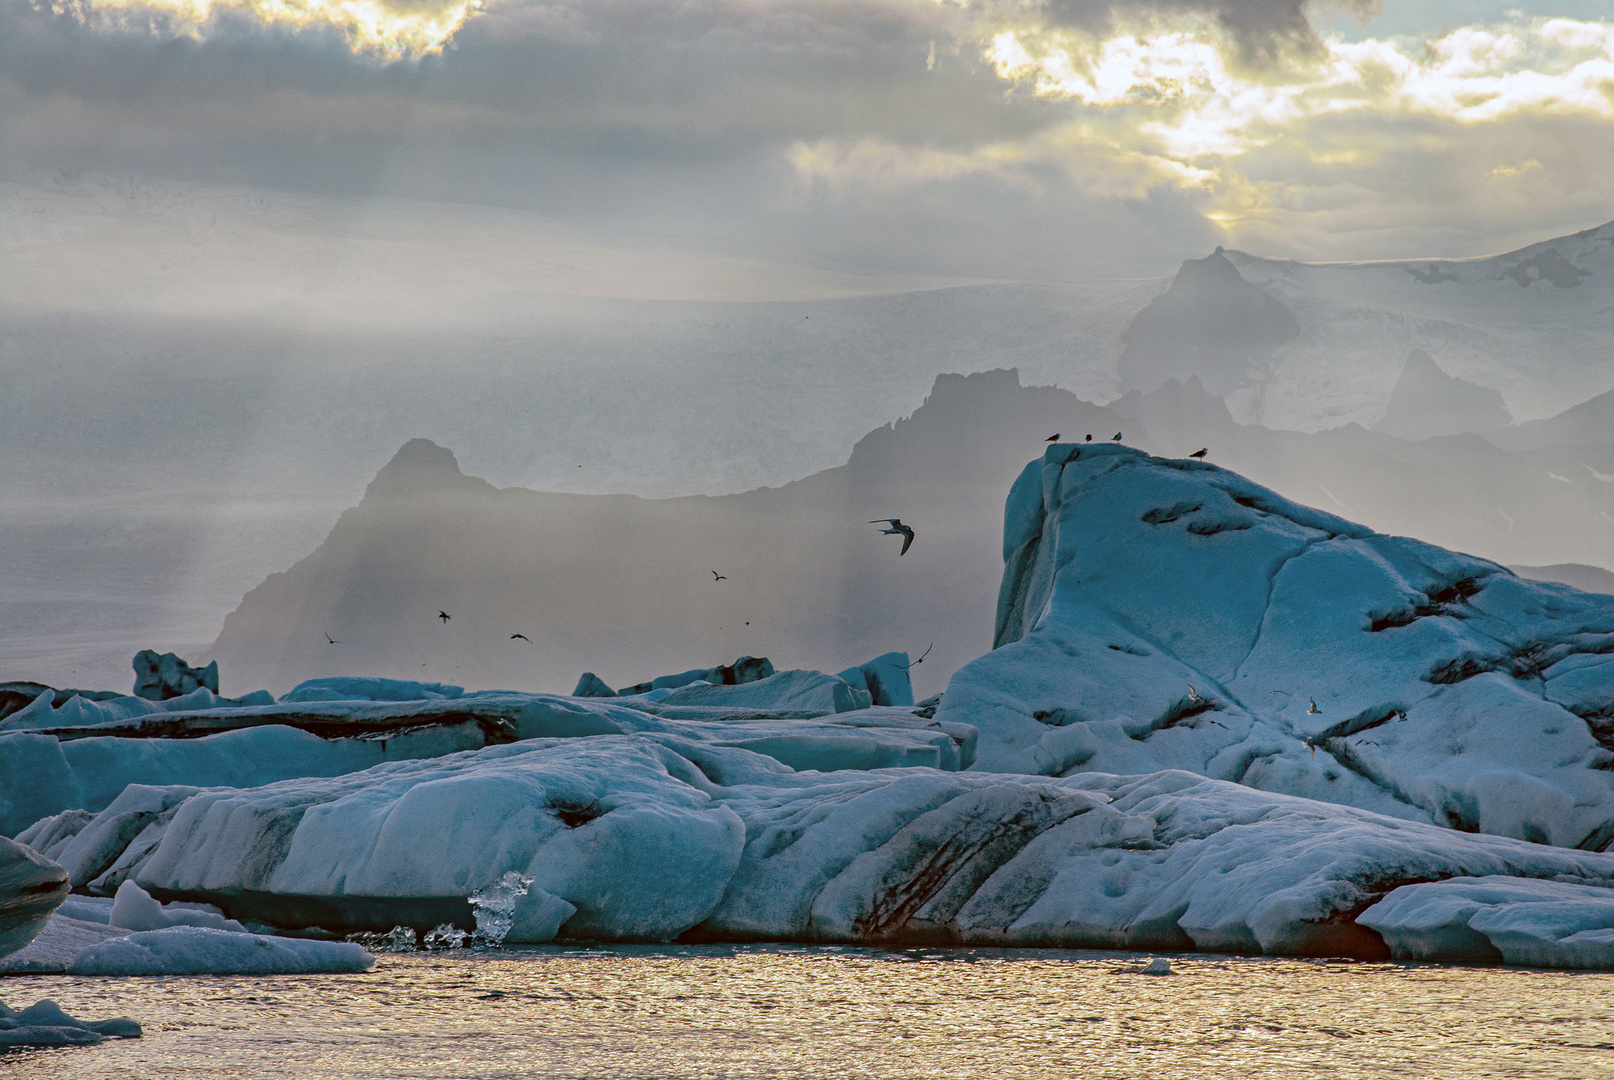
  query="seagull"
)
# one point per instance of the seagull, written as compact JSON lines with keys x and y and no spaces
{"x":922,"y":656}
{"x":718,"y":577}
{"x":1200,"y":453}
{"x":523,"y":637}
{"x":330,"y":640}
{"x":897,"y":529}
{"x":1116,"y":437}
{"x":444,"y":616}
{"x":1312,"y":709}
{"x":1193,"y":695}
{"x":1052,"y":438}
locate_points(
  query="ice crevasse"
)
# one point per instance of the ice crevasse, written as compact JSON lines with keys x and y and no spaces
{"x":1214,"y":720}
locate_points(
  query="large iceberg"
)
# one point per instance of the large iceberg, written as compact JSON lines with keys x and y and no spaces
{"x":1163,"y":614}
{"x":1213,"y":720}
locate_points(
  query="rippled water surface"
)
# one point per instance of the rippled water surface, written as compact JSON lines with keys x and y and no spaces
{"x":825,"y":1012}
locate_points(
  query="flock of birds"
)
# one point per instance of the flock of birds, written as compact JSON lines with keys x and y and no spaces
{"x":896,"y":528}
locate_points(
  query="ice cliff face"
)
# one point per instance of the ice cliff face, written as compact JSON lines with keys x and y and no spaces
{"x":1163,"y":614}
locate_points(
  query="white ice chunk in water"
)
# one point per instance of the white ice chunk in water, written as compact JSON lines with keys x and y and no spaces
{"x":494,"y":907}
{"x":135,"y":909}
{"x":196,"y":950}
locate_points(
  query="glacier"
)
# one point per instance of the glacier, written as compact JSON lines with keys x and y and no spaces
{"x":1213,"y":719}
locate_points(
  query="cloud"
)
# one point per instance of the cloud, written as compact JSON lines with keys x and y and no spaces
{"x":385,"y":28}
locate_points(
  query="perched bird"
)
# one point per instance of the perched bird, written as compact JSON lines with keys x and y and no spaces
{"x":1200,"y":453}
{"x":718,"y":577}
{"x":523,"y":637}
{"x":1089,"y":436}
{"x":1116,"y":437}
{"x":330,"y":640}
{"x":1052,"y":438}
{"x":897,"y":529}
{"x":444,"y":616}
{"x":1312,"y":709}
{"x":1193,"y":695}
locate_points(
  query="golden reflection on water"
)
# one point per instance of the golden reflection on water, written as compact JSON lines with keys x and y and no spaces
{"x":770,"y":1011}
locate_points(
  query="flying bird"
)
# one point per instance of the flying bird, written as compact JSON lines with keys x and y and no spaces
{"x":719,"y":577}
{"x":1052,"y":438}
{"x":897,"y":529}
{"x":1116,"y":437}
{"x":1193,"y":695}
{"x":1200,"y":453}
{"x":1312,"y":709}
{"x":523,"y":637}
{"x":444,"y":616}
{"x":330,"y":640}
{"x":922,"y":656}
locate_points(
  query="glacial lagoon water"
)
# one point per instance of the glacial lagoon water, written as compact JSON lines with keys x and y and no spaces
{"x":784,"y":1011}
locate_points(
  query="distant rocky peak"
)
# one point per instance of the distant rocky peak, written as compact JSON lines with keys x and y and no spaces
{"x":421,"y":467}
{"x":1427,"y":402}
{"x":1214,"y":270}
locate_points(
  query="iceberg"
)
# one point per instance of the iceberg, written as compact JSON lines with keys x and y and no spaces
{"x":194,"y":950}
{"x":45,"y":1024}
{"x":1161,"y":614}
{"x":31,"y":887}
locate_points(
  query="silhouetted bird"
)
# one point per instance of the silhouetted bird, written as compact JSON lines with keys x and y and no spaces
{"x":523,"y":637}
{"x":331,"y":641}
{"x":897,"y":529}
{"x":718,"y":577}
{"x":443,"y":615}
{"x":1200,"y":453}
{"x":1116,"y":437}
{"x":1089,"y":436}
{"x":922,"y":656}
{"x":1052,"y":438}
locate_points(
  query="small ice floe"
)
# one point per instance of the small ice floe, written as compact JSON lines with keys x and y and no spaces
{"x":45,"y":1024}
{"x":1158,"y":966}
{"x":197,"y":950}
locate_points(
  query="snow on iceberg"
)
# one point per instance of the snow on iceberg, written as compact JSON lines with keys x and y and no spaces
{"x":1540,"y":923}
{"x":195,"y":950}
{"x":1170,"y":614}
{"x":653,"y":837}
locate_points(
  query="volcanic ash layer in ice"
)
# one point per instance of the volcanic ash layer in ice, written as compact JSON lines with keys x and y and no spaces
{"x":1169,"y":614}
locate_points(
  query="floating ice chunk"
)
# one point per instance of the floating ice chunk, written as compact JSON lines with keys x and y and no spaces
{"x":195,"y":950}
{"x":885,"y":678}
{"x":49,"y":835}
{"x":63,"y":938}
{"x":135,"y":909}
{"x":1158,"y":966}
{"x":31,"y":887}
{"x":787,"y":691}
{"x":1516,"y":920}
{"x":494,"y":906}
{"x":343,"y":688}
{"x":443,"y":936}
{"x":45,"y":1024}
{"x":95,"y":909}
{"x":591,"y":685}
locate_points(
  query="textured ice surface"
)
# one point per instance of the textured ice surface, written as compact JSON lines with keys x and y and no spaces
{"x":194,"y":950}
{"x":1543,"y":923}
{"x":1169,"y":614}
{"x":31,"y":887}
{"x":495,"y":905}
{"x":45,"y":1024}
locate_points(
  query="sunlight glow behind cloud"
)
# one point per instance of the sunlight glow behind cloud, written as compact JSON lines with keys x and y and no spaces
{"x":391,"y":30}
{"x":1194,"y":103}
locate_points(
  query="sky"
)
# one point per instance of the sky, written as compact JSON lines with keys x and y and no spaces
{"x":985,"y":139}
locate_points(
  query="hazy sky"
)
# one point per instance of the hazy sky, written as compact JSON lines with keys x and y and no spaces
{"x":1027,"y":139}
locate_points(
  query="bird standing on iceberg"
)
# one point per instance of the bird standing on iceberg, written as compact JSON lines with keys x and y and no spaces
{"x":897,"y":529}
{"x":1200,"y":453}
